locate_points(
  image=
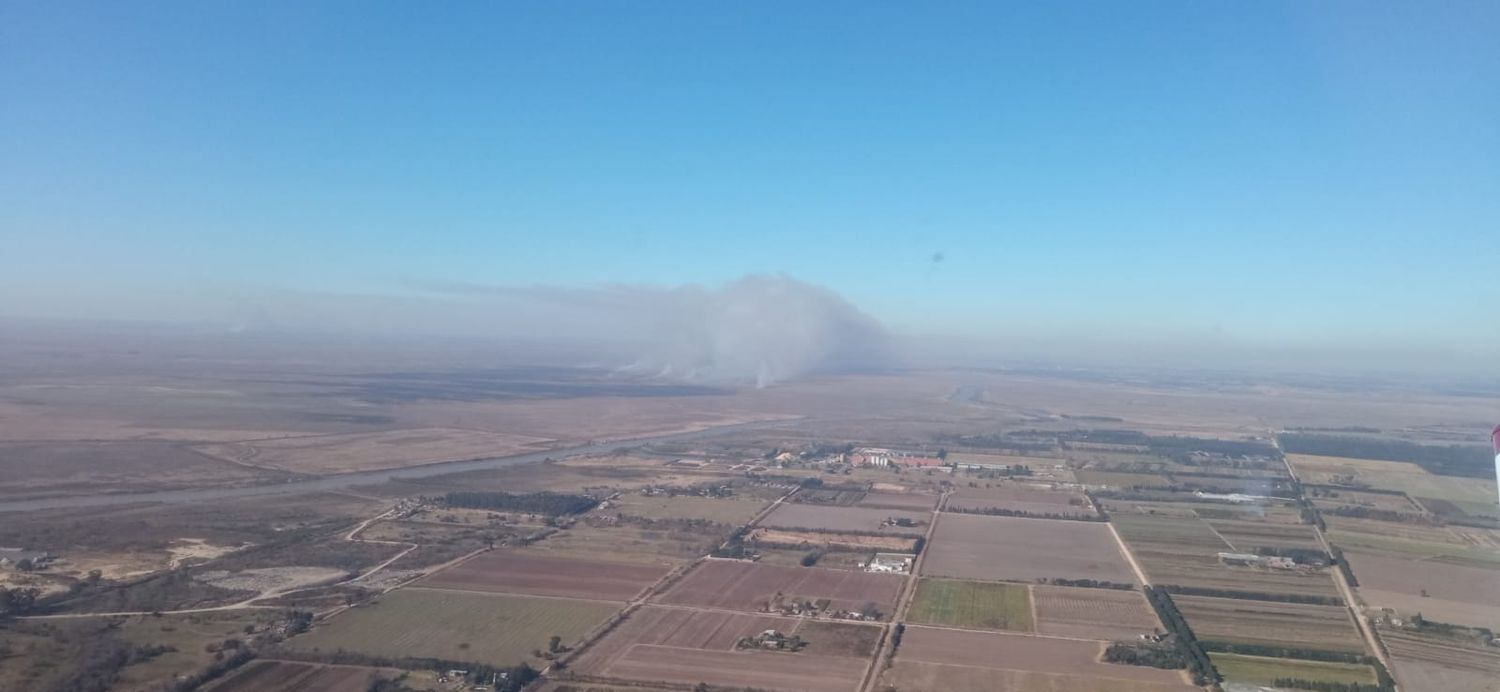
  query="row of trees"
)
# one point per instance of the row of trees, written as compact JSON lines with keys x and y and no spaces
{"x":1252,"y":595}
{"x":1195,"y":657}
{"x":1003,"y":512}
{"x":1449,"y":460}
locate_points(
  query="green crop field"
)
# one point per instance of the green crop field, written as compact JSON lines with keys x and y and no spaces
{"x":973,"y":604}
{"x":1259,"y":670}
{"x":463,"y":626}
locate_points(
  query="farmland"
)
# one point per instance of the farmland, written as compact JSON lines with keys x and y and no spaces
{"x":989,"y":548}
{"x":944,"y":659}
{"x":529,"y":573}
{"x":1397,"y":475}
{"x":973,"y":605}
{"x":1092,"y":613}
{"x":1184,"y":551}
{"x":1426,"y":662}
{"x":287,"y":675}
{"x":825,"y":518}
{"x":1456,"y":594}
{"x":727,"y":510}
{"x":752,"y":587}
{"x":851,"y":541}
{"x":1257,"y":670}
{"x":461,"y":626}
{"x":910,"y":501}
{"x":687,"y":646}
{"x":1020,"y":498}
{"x":1270,"y":624}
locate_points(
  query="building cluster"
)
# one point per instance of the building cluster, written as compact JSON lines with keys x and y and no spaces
{"x":772,"y":640}
{"x":1252,"y":560}
{"x":886,"y":458}
{"x":890,"y":563}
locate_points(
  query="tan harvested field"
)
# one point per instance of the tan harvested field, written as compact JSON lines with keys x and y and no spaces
{"x":890,"y":544}
{"x":1022,"y":498}
{"x":1272,"y":624}
{"x":1396,"y":475}
{"x":320,"y":454}
{"x":1456,"y":594}
{"x":946,"y":659}
{"x":1246,"y":536}
{"x":1452,"y":544}
{"x":528,"y":573}
{"x":804,"y":516}
{"x":1063,"y":611}
{"x":911,"y":501}
{"x":1424,"y":662}
{"x":1184,"y":551}
{"x":969,"y":546}
{"x":1355,"y":498}
{"x":29,"y":469}
{"x":750,"y":586}
{"x":687,"y":646}
{"x":729,"y":510}
{"x":256,"y":676}
{"x":456,"y":625}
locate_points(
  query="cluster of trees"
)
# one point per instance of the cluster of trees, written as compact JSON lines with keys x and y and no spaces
{"x":551,"y":504}
{"x":1150,"y":654}
{"x":1193,"y":654}
{"x":17,"y":600}
{"x":1449,"y":460}
{"x":1252,"y":595}
{"x":1003,"y":512}
{"x":1301,"y":556}
{"x":1088,"y":583}
{"x":1285,"y":652}
{"x":1343,"y":565}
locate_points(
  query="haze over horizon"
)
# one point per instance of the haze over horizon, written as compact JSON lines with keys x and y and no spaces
{"x":1279,"y":185}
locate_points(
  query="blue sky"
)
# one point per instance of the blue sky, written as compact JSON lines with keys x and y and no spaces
{"x":1272,"y":175}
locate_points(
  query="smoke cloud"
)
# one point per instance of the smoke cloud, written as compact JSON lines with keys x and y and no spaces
{"x":760,"y":328}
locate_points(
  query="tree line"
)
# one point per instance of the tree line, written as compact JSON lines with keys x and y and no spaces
{"x":1003,"y":512}
{"x":1197,"y":661}
{"x":1252,"y":595}
{"x":1471,"y":461}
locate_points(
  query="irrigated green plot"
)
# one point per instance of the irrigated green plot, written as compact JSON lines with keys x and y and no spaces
{"x":1260,"y":670}
{"x":460,"y":626}
{"x":979,"y":605}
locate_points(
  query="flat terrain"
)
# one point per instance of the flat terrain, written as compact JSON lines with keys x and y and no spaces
{"x":630,"y":544}
{"x":527,"y":573}
{"x":1259,"y":670}
{"x":825,"y":518}
{"x":889,"y":544}
{"x":750,"y":586}
{"x":1021,"y":498}
{"x":1273,"y":624}
{"x":29,"y":469}
{"x":945,"y":659}
{"x":687,"y":647}
{"x":1397,"y":475}
{"x":972,"y":605}
{"x":299,"y":677}
{"x":1063,"y":611}
{"x":911,"y":501}
{"x":321,"y":454}
{"x":1424,"y":662}
{"x":1442,"y":592}
{"x":455,"y":625}
{"x":1014,"y":549}
{"x":1184,"y":551}
{"x":728,"y":510}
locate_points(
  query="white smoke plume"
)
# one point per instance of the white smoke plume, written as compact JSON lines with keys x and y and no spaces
{"x":760,"y":328}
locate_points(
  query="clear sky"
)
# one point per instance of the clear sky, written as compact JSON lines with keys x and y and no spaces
{"x":1295,"y":175}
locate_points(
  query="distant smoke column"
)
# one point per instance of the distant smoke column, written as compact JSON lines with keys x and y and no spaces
{"x":1495,"y":438}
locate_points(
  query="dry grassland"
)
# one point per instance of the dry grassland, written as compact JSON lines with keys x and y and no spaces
{"x":529,"y":573}
{"x":30,"y":469}
{"x":320,"y":454}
